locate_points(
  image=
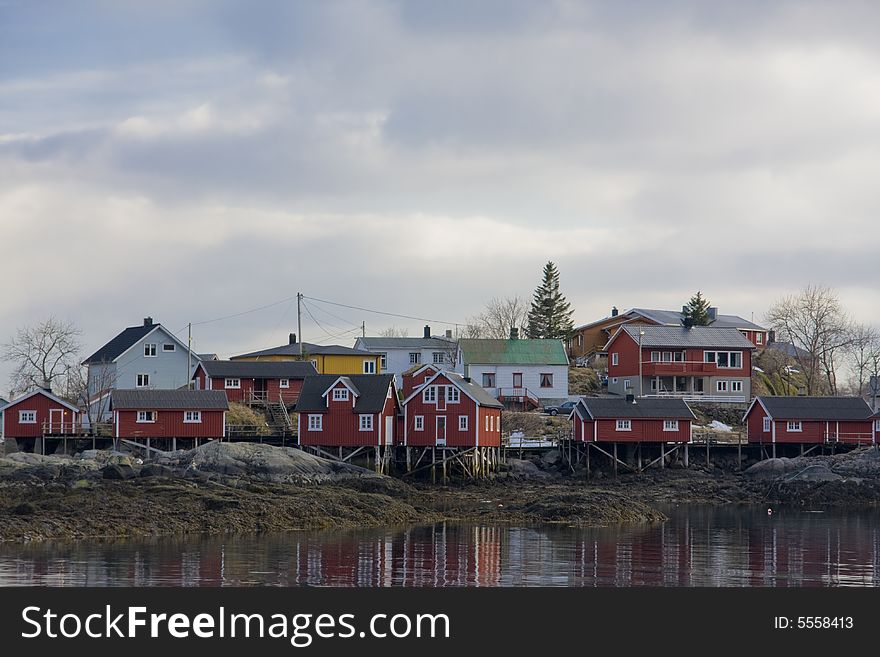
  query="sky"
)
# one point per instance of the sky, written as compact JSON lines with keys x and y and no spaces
{"x":195,"y":160}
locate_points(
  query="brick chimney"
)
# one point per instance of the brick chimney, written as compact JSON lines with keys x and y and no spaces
{"x":427,"y":331}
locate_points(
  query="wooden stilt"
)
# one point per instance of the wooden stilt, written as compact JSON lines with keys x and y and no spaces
{"x":707,"y":451}
{"x":433,"y":465}
{"x":588,"y":461}
{"x":662,"y":455}
{"x":639,"y":456}
{"x":615,"y":460}
{"x":686,"y":455}
{"x":174,"y":444}
{"x":774,"y":450}
{"x":739,"y":455}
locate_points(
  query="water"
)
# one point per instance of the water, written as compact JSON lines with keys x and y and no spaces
{"x":698,"y":546}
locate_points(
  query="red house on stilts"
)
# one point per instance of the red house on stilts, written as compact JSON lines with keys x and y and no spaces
{"x":37,"y":415}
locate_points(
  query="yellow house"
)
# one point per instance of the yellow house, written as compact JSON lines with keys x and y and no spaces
{"x":327,"y":358}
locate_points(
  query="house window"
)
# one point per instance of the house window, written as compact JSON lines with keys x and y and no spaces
{"x":438,"y":357}
{"x":795,"y":426}
{"x":150,"y":349}
{"x":491,"y":423}
{"x":726,"y":359}
{"x":721,"y":386}
{"x":415,"y":358}
{"x":624,"y":425}
{"x":678,"y":357}
{"x":670,"y":425}
{"x":655,"y":356}
{"x":736,"y":386}
{"x":452,"y":394}
{"x":429,"y":394}
{"x":615,"y":358}
{"x":369,"y":367}
{"x":284,"y":383}
{"x":580,"y":339}
{"x":487,"y":423}
{"x":316,"y":422}
{"x":340,"y":394}
{"x":546,"y":380}
{"x":146,"y":416}
{"x":27,"y":417}
{"x":383,"y":362}
{"x":667,"y":356}
{"x":489,"y":380}
{"x":877,"y":425}
{"x":759,"y":338}
{"x":767,"y":424}
{"x":143,"y":380}
{"x":366,"y":422}
{"x":232,"y":384}
{"x":708,"y":356}
{"x":653,"y":384}
{"x":192,"y":417}
{"x":419,"y":422}
{"x":627,"y":384}
{"x":169,"y":347}
{"x":614,"y":380}
{"x":462,"y":422}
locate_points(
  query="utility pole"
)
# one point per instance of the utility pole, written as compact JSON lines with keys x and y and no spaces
{"x":641,"y":392}
{"x":299,"y":326}
{"x":363,"y":329}
{"x":189,"y":351}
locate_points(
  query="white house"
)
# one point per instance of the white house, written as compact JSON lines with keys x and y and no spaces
{"x":399,"y":354}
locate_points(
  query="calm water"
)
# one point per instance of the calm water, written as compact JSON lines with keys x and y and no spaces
{"x":696,"y":547}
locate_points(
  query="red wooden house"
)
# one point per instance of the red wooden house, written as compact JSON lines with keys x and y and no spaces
{"x":631,"y":420}
{"x":39,"y":413}
{"x":357,"y":410}
{"x":254,"y":381}
{"x":448,"y":410}
{"x":416,"y":376}
{"x":810,"y":420}
{"x":158,"y":414}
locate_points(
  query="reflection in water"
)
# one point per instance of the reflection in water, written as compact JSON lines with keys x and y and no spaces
{"x":696,"y":547}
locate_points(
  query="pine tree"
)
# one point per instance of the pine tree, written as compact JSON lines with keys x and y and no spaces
{"x":550,"y":314}
{"x":696,"y":312}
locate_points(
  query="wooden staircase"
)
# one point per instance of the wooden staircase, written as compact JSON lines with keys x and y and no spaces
{"x":279,"y":416}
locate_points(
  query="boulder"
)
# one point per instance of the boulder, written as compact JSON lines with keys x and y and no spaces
{"x":156,"y":470}
{"x":118,"y":472}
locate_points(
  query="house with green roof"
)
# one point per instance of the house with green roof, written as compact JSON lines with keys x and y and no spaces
{"x":528,"y":372}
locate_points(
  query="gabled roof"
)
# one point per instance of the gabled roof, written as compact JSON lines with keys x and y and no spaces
{"x":199,"y":400}
{"x":418,"y":367}
{"x":347,"y":382}
{"x":815,"y":408}
{"x":673,"y":318}
{"x":39,"y":391}
{"x":602,"y":408}
{"x":406,"y":343}
{"x":121,"y":343}
{"x":208,"y":356}
{"x":679,"y":336}
{"x":373,"y":389}
{"x":309,"y":349}
{"x":484,"y":351}
{"x":258,"y":369}
{"x":469,"y":388}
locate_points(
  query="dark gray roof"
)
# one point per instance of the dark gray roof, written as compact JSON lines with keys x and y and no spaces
{"x":673,"y":318}
{"x":610,"y":408}
{"x":816,"y":408}
{"x":477,"y":392}
{"x":698,"y":336}
{"x":259,"y":369}
{"x":208,"y":356}
{"x":406,"y":343}
{"x":198,"y":400}
{"x":372,"y":389}
{"x":309,"y":349}
{"x":120,"y":344}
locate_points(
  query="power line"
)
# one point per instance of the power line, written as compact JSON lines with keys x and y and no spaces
{"x":382,"y":312}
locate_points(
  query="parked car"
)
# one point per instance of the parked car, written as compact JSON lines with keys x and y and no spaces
{"x":564,"y":408}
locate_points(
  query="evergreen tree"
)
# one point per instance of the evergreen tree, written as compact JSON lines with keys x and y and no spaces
{"x":550,"y":314}
{"x":696,"y":312}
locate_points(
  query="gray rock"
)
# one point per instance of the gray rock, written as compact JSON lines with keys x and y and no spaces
{"x":118,"y":472}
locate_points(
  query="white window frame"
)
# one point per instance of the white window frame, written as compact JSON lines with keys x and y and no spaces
{"x":627,"y":384}
{"x":487,"y":423}
{"x":340,"y":394}
{"x":166,"y":350}
{"x":369,"y":367}
{"x":146,"y":417}
{"x":462,"y":422}
{"x":877,"y":425}
{"x":623,"y":425}
{"x":366,"y":422}
{"x":794,"y":426}
{"x":488,"y":384}
{"x":316,"y":422}
{"x":766,"y":426}
{"x":284,"y":383}
{"x":678,"y":357}
{"x":759,"y":338}
{"x":429,"y":395}
{"x":549,"y":379}
{"x":655,"y":356}
{"x":192,"y":417}
{"x":438,"y":357}
{"x":670,"y":425}
{"x":418,"y":423}
{"x":491,"y":424}
{"x":717,"y":354}
{"x":721,"y":386}
{"x":22,"y":415}
{"x":415,"y":357}
{"x":615,"y":358}
{"x":150,"y":349}
{"x":736,"y":386}
{"x":667,"y":356}
{"x":232,"y":384}
{"x":142,"y":380}
{"x":383,"y":362}
{"x":453,"y":395}
{"x":614,"y":380}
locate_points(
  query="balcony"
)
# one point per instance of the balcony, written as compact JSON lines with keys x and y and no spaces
{"x":673,"y":368}
{"x":700,"y":397}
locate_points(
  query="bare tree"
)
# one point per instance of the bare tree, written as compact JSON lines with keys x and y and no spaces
{"x":814,"y":321}
{"x":394,"y":332}
{"x":43,"y":354}
{"x":500,"y":315}
{"x":863,"y":355}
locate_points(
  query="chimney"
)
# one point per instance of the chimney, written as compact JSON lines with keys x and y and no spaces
{"x":713,"y":313}
{"x":466,"y":379}
{"x":148,"y":321}
{"x":514,"y":333}
{"x":448,"y":334}
{"x":630,"y":399}
{"x":291,"y":338}
{"x":614,"y":311}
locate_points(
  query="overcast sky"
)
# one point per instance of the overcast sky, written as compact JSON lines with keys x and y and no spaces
{"x":193,"y":160}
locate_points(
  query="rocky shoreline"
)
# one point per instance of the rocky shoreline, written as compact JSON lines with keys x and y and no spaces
{"x":243,"y":488}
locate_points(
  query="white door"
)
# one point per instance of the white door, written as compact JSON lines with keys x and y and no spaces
{"x":389,"y":430}
{"x":441,"y":431}
{"x":56,"y":420}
